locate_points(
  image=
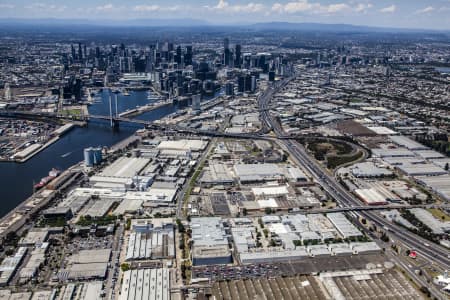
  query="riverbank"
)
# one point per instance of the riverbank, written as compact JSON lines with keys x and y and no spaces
{"x":27,"y":153}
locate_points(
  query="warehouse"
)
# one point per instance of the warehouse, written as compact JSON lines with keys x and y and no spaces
{"x":368,"y":170}
{"x":425,"y":169}
{"x":84,"y":271}
{"x":296,"y":174}
{"x":217,"y":174}
{"x":365,"y":248}
{"x":146,"y":284}
{"x":154,"y":196}
{"x":98,"y":208}
{"x":436,"y":226}
{"x":183,"y":145}
{"x":34,"y":263}
{"x":9,"y":266}
{"x":406,"y":142}
{"x":125,"y":167}
{"x":273,"y":256}
{"x":318,"y":250}
{"x":36,"y":236}
{"x":381,"y":130}
{"x":270,"y":191}
{"x":128,"y":206}
{"x":151,"y":241}
{"x":340,"y":249}
{"x":345,"y":228}
{"x":439,"y":184}
{"x":430,"y":154}
{"x":397,"y":152}
{"x":248,"y":173}
{"x":371,"y":196}
{"x":210,"y":242}
{"x":92,"y":290}
{"x":90,"y":256}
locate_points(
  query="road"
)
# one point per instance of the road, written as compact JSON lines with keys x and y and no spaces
{"x":435,"y":253}
{"x":114,"y":267}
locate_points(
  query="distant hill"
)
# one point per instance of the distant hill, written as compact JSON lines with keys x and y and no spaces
{"x":328,"y":27}
{"x":187,"y":23}
{"x":106,"y":22}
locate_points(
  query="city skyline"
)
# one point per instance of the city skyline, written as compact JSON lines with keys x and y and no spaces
{"x":428,"y":14}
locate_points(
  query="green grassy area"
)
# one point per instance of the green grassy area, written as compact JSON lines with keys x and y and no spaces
{"x":439,"y":214}
{"x":335,"y":161}
{"x":72,"y":112}
{"x":323,"y":148}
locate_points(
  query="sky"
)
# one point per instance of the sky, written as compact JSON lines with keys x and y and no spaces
{"x":426,"y":14}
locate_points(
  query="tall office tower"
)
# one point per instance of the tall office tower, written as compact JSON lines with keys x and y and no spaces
{"x":188,"y":56}
{"x":7,"y":92}
{"x":73,"y":52}
{"x":84,"y":51}
{"x":226,"y":52}
{"x":80,"y":52}
{"x":97,"y":52}
{"x":237,"y":54}
{"x":178,"y":55}
{"x":229,"y":88}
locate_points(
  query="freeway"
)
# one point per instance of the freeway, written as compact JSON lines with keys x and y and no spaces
{"x":436,"y":253}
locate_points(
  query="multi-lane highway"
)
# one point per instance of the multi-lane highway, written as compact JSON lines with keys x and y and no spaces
{"x":435,"y":253}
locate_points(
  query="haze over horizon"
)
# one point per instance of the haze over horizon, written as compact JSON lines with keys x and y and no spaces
{"x":420,"y":14}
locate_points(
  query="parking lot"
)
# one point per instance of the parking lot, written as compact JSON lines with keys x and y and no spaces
{"x":293,"y":268}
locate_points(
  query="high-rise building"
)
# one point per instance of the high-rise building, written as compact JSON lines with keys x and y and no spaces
{"x":237,"y":56}
{"x":229,"y":88}
{"x":188,"y":56}
{"x":226,"y":52}
{"x":196,"y":102}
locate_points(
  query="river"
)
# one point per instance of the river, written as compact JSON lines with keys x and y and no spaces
{"x":16,"y":180}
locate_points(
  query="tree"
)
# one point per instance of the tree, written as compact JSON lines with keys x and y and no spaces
{"x":244,"y":212}
{"x":446,"y":167}
{"x":268,"y":210}
{"x":125,"y":267}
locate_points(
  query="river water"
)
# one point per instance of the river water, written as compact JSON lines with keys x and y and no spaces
{"x":16,"y":180}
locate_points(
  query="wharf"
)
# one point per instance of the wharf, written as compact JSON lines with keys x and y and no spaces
{"x":144,"y":109}
{"x":24,"y":155}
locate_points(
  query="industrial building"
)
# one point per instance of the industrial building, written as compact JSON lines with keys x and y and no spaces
{"x":439,"y":184}
{"x":151,"y":239}
{"x":34,"y":237}
{"x":217,"y":174}
{"x":437,"y":226}
{"x":406,"y":142}
{"x":183,"y":145}
{"x":9,"y":266}
{"x":368,"y":170}
{"x":210,"y":242}
{"x":345,"y":228}
{"x":250,"y":173}
{"x":146,"y":284}
{"x":86,"y":264}
{"x":371,"y":196}
{"x":125,"y":167}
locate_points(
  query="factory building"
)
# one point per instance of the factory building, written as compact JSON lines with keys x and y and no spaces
{"x":146,"y":284}
{"x":210,"y":242}
{"x":151,"y":239}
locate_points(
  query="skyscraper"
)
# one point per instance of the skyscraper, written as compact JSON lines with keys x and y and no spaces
{"x":226,"y":52}
{"x":237,"y":54}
